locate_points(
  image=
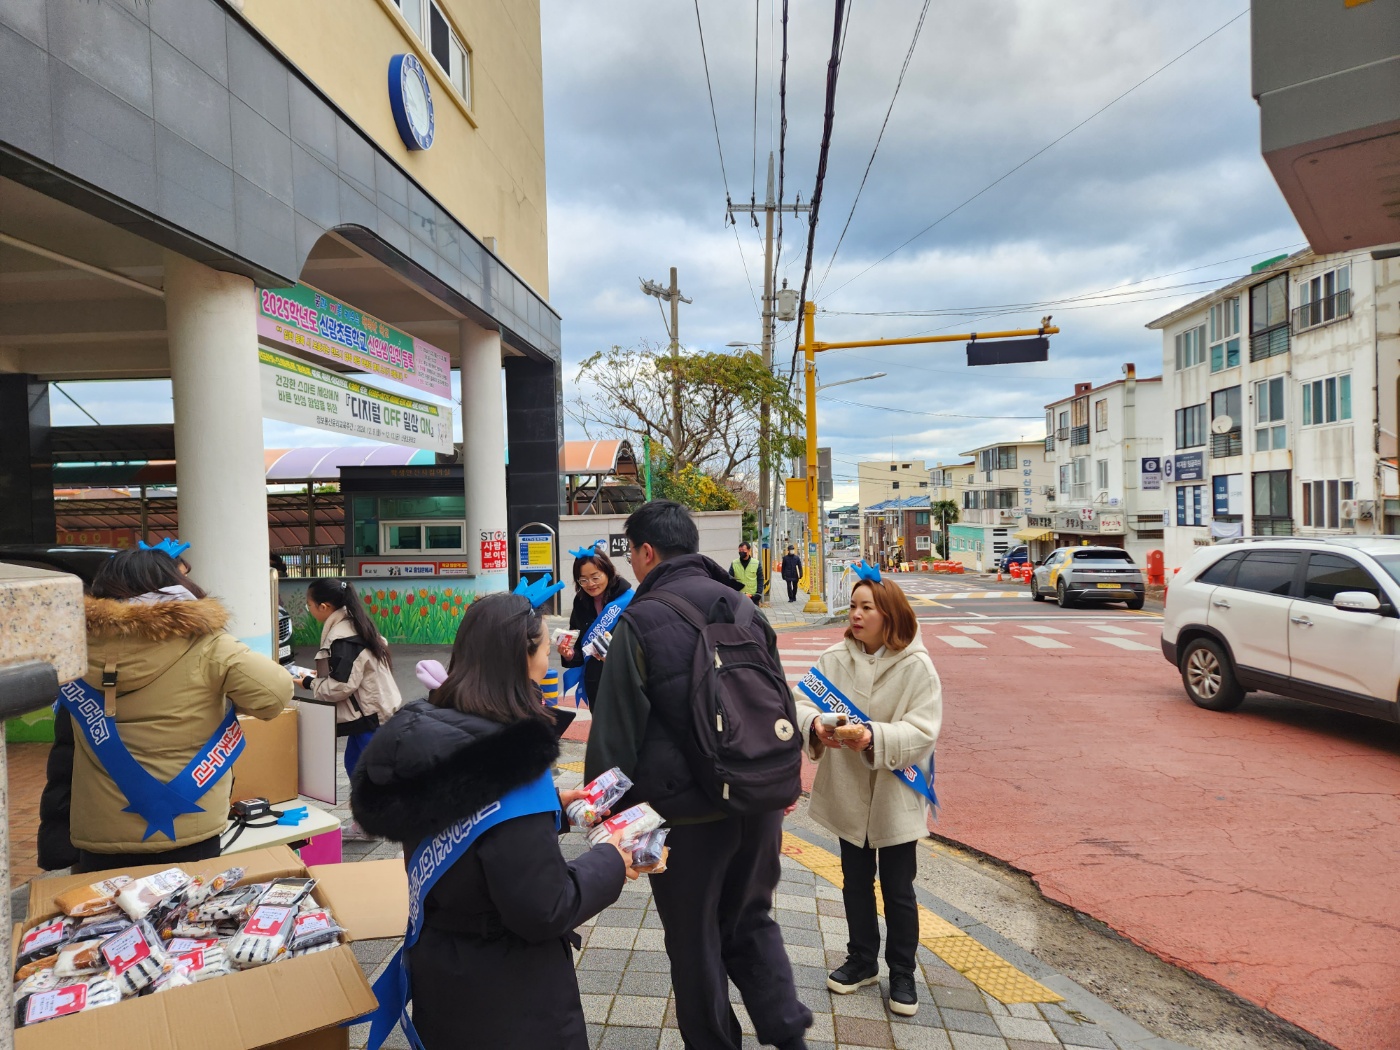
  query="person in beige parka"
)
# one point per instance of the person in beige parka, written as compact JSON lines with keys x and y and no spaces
{"x":881,"y":665}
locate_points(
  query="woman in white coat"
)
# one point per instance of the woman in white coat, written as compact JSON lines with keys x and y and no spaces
{"x":883,"y":669}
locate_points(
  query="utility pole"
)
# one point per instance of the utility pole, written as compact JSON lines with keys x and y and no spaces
{"x":672,"y":295}
{"x":767,"y":492}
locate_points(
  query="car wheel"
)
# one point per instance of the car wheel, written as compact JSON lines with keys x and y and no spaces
{"x":1062,"y":595}
{"x":1036,"y":596}
{"x":1134,"y":603}
{"x":1209,"y":677}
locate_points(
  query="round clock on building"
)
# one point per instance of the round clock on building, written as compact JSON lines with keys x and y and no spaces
{"x":411,"y":100}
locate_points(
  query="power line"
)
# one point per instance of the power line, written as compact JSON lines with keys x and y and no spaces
{"x":714,"y":118}
{"x":1043,"y":149}
{"x":79,"y":407}
{"x":782,"y":137}
{"x":753,"y":172}
{"x":908,"y":55}
{"x":912,"y":412}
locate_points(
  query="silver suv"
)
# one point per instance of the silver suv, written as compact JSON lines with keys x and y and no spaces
{"x":1313,"y":619}
{"x":1094,"y":574}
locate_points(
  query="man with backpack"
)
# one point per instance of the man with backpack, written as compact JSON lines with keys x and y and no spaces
{"x":694,"y":708}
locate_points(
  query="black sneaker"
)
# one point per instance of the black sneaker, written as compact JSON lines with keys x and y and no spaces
{"x":853,"y":974}
{"x":904,"y":1000}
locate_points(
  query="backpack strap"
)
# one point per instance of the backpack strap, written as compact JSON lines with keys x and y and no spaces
{"x":690,"y":612}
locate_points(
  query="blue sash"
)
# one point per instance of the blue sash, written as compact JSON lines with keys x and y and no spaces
{"x":156,"y":803}
{"x":606,"y":621}
{"x":433,"y":857}
{"x":817,"y":688}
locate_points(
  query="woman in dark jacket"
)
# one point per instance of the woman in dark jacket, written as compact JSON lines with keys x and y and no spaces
{"x":493,"y":967}
{"x":597,"y":583}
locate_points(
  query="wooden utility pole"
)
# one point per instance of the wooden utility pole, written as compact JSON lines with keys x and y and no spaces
{"x":672,"y":294}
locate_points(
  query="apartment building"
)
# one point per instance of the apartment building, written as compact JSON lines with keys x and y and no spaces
{"x":1105,"y":447}
{"x":881,"y":481}
{"x":947,"y":481}
{"x":898,"y":530}
{"x":1280,"y":394}
{"x":1005,"y":488}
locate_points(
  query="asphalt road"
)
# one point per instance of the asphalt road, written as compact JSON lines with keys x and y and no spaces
{"x":1255,"y":849}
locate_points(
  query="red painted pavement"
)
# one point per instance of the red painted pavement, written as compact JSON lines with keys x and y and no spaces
{"x":1260,"y":849}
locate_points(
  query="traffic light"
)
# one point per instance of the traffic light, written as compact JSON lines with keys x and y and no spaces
{"x":1008,"y":351}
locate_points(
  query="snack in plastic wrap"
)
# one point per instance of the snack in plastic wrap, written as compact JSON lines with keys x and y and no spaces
{"x":598,"y":648}
{"x":67,"y":999}
{"x":142,"y":896}
{"x":45,"y":940}
{"x":263,"y":937}
{"x":135,"y":962}
{"x":314,"y":927}
{"x":297,"y":953}
{"x":832,"y":719}
{"x":79,"y":959}
{"x":97,"y":899}
{"x":37,"y":966}
{"x":38,"y":981}
{"x":202,"y":963}
{"x":649,"y":851}
{"x":849,"y":732}
{"x":231,"y":904}
{"x":599,"y":796}
{"x":201,"y":888}
{"x":284,"y":893}
{"x":636,"y":821}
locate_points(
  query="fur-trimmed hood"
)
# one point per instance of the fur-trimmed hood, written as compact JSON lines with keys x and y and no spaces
{"x":430,"y":766}
{"x":154,"y":621}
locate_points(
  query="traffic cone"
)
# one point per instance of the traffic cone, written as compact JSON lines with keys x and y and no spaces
{"x":998,"y":574}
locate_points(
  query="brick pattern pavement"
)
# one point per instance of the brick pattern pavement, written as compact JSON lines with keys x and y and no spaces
{"x":26,"y":764}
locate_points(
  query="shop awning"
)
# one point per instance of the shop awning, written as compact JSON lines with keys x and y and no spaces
{"x":1032,"y":535}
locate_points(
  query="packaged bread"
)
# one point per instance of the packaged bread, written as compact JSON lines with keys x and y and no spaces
{"x":832,"y":719}
{"x":135,"y":957}
{"x":45,"y":940}
{"x":599,"y":796}
{"x":649,"y":852}
{"x":636,"y":822}
{"x":79,"y":959}
{"x":848,"y":733}
{"x":263,"y":937}
{"x":85,"y":901}
{"x":67,"y":999}
{"x":142,"y":896}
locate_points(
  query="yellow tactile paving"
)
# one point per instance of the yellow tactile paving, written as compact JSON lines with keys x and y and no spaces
{"x":974,"y":960}
{"x":572,"y":767}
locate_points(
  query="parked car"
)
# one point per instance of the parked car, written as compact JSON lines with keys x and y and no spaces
{"x":1094,"y":574}
{"x":1015,"y":556}
{"x":83,"y":562}
{"x":1312,"y":619}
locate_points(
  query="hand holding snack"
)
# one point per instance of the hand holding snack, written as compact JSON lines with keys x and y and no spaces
{"x":857,"y":738}
{"x":825,"y":734}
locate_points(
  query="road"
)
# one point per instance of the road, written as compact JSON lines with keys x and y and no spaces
{"x":1256,"y":849}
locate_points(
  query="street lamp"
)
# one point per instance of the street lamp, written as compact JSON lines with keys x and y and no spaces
{"x":857,"y":379}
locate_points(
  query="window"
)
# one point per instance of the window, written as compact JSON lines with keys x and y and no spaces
{"x":1328,"y":575}
{"x":1269,"y":572}
{"x":906,"y":466}
{"x":1323,"y":299}
{"x":1221,"y":571}
{"x":1079,"y":421}
{"x":1102,"y":555}
{"x":1101,"y":416}
{"x":1190,"y":504}
{"x":1272,"y":503}
{"x":1327,"y":400}
{"x":1062,"y":432}
{"x":921,"y":517}
{"x":1080,"y":486}
{"x":1001,"y":458}
{"x":1064,"y":479}
{"x":894,"y":467}
{"x":894,"y":484}
{"x":1268,"y":318}
{"x":923,"y":543}
{"x":1269,"y":429}
{"x":1322,"y":502}
{"x":1191,"y":426}
{"x":421,"y":537}
{"x":430,"y":25}
{"x":1225,"y":334}
{"x":1191,"y":347}
{"x":923,"y":484}
{"x":1101,"y":475}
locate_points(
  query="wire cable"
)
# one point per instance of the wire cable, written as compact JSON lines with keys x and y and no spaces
{"x":913,"y":412}
{"x":753,"y":172}
{"x":953,"y":211}
{"x":714,"y":118}
{"x":782,"y":139}
{"x":908,"y":55}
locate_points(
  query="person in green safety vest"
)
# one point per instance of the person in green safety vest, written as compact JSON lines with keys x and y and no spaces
{"x":746,"y":569}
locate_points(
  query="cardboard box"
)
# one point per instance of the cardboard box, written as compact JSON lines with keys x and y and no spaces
{"x":268,"y":766}
{"x":292,"y":1002}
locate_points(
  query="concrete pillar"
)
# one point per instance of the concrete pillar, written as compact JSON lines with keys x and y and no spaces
{"x":26,"y":461}
{"x":535,"y":431}
{"x":211,"y":318}
{"x":483,"y":444}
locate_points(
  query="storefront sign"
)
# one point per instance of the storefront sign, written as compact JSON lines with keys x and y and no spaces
{"x":495,"y":551}
{"x":536,"y":552}
{"x":1026,"y":487}
{"x":1189,"y":466}
{"x":1037,"y":522}
{"x":296,"y":392}
{"x":311,"y":322}
{"x":1228,"y":494}
{"x":1152,"y":473}
{"x":619,"y":546}
{"x":1112,"y":524}
{"x":414,"y":568}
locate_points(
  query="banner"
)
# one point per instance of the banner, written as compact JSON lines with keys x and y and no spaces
{"x":296,"y":392}
{"x":313,"y":322}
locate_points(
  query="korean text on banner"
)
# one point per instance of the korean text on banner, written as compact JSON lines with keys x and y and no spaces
{"x":296,"y":392}
{"x":312,"y":322}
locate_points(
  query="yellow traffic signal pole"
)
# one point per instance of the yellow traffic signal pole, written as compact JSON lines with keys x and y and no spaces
{"x":816,"y":566}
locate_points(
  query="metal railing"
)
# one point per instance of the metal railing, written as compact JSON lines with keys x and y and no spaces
{"x":307,"y":562}
{"x":1080,"y":435}
{"x":1049,"y":442}
{"x":1223,"y":445}
{"x":1334,"y":307}
{"x":1269,"y":344}
{"x":1273,"y":526}
{"x":1062,"y":434}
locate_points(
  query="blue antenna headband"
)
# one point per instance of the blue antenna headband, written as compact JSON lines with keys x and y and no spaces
{"x":539,"y":592}
{"x":587,"y":552}
{"x":865,"y":571}
{"x":169,"y":546}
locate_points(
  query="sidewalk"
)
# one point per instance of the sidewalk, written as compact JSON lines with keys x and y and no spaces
{"x":783,"y":614}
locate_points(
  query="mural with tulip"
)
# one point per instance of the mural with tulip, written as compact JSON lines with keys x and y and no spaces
{"x":406,"y":611}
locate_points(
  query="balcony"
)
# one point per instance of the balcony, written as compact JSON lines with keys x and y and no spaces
{"x":1269,"y":344}
{"x":1224,"y":445}
{"x":1062,"y":434}
{"x":1334,"y":307}
{"x":1050,"y":443}
{"x":1080,"y":435}
{"x":1273,"y":526}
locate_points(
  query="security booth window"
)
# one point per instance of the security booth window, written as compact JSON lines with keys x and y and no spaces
{"x":408,"y":524}
{"x":422,"y":537}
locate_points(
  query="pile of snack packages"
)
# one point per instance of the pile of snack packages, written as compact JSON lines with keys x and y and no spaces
{"x":125,"y":937}
{"x":643,"y":834}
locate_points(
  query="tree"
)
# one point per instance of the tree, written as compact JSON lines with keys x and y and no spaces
{"x":945,"y":512}
{"x":719,"y":407}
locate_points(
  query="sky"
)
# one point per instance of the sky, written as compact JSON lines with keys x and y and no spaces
{"x":1162,"y":196}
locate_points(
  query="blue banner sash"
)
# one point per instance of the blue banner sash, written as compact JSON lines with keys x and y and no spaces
{"x":156,"y":803}
{"x":817,"y":688}
{"x":606,"y":621}
{"x":431,"y":859}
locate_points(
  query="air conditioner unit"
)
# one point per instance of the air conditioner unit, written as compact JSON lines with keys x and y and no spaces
{"x":1350,"y":509}
{"x":1365,"y":509}
{"x":1048,"y":491}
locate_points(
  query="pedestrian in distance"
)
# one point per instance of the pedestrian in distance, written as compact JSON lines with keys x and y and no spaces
{"x":463,"y":780}
{"x":792,"y":572}
{"x":164,"y":685}
{"x":748,"y":572}
{"x":874,"y":779}
{"x":658,"y":695}
{"x":600,"y":595}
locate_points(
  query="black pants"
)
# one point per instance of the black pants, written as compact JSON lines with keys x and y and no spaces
{"x":897,"y":865}
{"x":792,"y":590}
{"x":715,"y":902}
{"x":205,"y":850}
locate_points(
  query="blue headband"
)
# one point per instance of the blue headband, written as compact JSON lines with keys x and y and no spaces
{"x":865,"y":571}
{"x":539,"y":592}
{"x":587,"y":552}
{"x":169,"y":546}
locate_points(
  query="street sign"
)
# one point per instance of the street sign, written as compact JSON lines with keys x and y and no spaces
{"x":796,"y":491}
{"x":1008,"y":351}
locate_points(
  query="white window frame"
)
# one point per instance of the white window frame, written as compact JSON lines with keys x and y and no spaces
{"x":458,"y":73}
{"x":1191,"y":348}
{"x":1320,"y":509}
{"x":1323,"y":400}
{"x":422,"y":523}
{"x":1225,"y":333}
{"x":1271,"y":414}
{"x":923,"y":543}
{"x":1321,"y":287}
{"x":1101,"y":475}
{"x":1079,"y":478}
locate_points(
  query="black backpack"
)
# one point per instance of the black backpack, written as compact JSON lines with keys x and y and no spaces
{"x":741,"y":739}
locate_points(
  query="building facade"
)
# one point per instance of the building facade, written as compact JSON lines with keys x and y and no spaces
{"x":1005,"y":491}
{"x":881,"y":481}
{"x":947,"y":481}
{"x":1105,"y":448}
{"x":1280,"y":396}
{"x":898,"y":530}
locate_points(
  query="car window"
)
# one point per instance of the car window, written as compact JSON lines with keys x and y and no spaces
{"x":1096,"y":555}
{"x":1270,"y":572}
{"x":1329,"y":575}
{"x":1221,"y":571}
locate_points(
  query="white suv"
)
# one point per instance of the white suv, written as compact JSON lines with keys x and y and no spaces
{"x":1314,"y":619}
